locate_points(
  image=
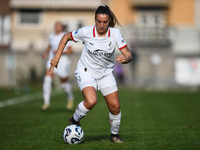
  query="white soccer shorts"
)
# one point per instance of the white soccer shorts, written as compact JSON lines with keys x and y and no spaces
{"x":63,"y":69}
{"x":105,"y":85}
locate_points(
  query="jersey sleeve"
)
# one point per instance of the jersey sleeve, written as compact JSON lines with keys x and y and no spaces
{"x":77,"y":35}
{"x":121,"y":43}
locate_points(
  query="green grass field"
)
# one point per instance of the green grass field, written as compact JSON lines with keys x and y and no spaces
{"x":150,"y":121}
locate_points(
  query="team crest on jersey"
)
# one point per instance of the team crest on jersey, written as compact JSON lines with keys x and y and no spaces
{"x":110,"y":44}
{"x":123,"y":39}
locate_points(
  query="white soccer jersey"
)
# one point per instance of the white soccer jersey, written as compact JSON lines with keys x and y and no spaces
{"x":98,"y":53}
{"x":54,"y":41}
{"x":63,"y":69}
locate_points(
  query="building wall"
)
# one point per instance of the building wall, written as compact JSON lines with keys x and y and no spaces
{"x":30,"y":36}
{"x":181,"y":13}
{"x":29,"y":41}
{"x":123,"y":9}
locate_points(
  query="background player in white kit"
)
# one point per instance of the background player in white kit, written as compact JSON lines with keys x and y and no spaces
{"x":62,"y":71}
{"x":96,"y":64}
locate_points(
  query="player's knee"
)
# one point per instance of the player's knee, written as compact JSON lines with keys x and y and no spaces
{"x":91,"y":103}
{"x":115,"y":108}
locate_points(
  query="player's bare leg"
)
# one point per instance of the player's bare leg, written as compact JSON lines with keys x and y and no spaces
{"x":112,"y":101}
{"x":65,"y":84}
{"x":90,"y":96}
{"x":47,"y":88}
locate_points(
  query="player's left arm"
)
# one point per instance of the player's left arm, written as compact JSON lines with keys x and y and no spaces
{"x":125,"y":57}
{"x":54,"y":62}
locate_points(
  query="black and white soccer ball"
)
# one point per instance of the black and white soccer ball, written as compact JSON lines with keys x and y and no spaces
{"x":73,"y":134}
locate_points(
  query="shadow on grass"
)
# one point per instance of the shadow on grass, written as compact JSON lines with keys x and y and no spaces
{"x":91,"y":139}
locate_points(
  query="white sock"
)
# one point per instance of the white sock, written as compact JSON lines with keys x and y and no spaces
{"x":80,"y":112}
{"x":115,"y":121}
{"x":47,"y":89}
{"x":68,"y":90}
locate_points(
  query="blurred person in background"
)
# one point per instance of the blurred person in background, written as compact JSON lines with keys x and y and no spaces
{"x":119,"y":72}
{"x":95,"y":67}
{"x":133,"y":63}
{"x":62,"y":71}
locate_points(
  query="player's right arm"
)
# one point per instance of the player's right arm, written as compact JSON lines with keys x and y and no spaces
{"x":54,"y":62}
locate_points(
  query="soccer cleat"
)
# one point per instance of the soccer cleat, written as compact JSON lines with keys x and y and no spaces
{"x":45,"y":107}
{"x":116,"y":139}
{"x":72,"y":121}
{"x":70,"y":105}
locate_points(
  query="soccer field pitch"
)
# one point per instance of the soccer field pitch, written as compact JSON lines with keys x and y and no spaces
{"x":150,"y":120}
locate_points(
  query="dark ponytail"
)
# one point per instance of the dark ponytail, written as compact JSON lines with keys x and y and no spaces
{"x":106,"y":10}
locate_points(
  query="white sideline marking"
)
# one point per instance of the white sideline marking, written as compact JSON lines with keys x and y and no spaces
{"x":26,"y":98}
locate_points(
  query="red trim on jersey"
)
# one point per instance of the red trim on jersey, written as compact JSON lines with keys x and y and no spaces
{"x":94,"y":31}
{"x":122,"y":47}
{"x":109,"y":32}
{"x":95,"y":35}
{"x":72,"y":37}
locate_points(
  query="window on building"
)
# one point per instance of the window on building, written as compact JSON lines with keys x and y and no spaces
{"x":156,"y":19}
{"x":5,"y":22}
{"x":151,"y":26}
{"x":144,"y":19}
{"x":80,"y":24}
{"x":150,"y":18}
{"x":30,"y":16}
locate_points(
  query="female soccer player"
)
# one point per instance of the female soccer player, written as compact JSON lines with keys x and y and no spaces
{"x":62,"y":71}
{"x":95,"y":67}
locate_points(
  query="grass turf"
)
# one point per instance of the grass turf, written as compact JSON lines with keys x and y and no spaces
{"x":150,"y":120}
